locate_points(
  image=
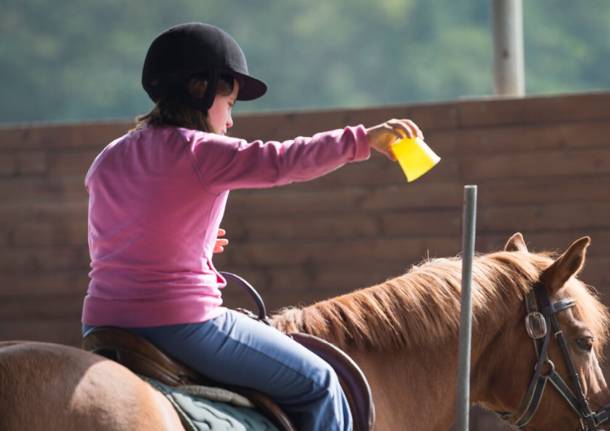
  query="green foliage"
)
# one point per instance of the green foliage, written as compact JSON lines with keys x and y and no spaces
{"x":66,"y":60}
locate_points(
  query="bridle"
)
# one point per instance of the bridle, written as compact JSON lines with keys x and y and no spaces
{"x":541,"y":315}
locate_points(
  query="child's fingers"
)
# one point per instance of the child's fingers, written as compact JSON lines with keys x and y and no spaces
{"x":220,"y":244}
{"x":415,"y":129}
{"x":404,"y":128}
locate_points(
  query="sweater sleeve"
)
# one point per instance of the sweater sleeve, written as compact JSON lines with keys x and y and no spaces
{"x":225,"y":163}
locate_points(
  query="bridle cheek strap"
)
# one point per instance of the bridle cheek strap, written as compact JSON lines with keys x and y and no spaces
{"x":530,"y":403}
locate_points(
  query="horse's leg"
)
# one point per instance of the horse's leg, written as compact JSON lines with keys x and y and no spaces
{"x":47,"y":386}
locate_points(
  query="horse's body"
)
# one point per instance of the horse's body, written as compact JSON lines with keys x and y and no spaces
{"x":403,"y":333}
{"x":53,"y":387}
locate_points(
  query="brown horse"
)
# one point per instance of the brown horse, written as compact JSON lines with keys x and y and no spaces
{"x":402,"y":332}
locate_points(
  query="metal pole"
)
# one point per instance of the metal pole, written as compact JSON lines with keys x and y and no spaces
{"x":509,"y":76}
{"x":469,"y":221}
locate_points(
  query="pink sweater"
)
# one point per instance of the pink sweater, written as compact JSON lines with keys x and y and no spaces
{"x":156,"y":199}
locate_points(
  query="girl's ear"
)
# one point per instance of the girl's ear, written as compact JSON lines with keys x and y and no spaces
{"x":196,"y":87}
{"x":568,"y":264}
{"x":516,"y":243}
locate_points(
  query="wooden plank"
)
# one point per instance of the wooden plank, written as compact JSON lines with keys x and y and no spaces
{"x":302,"y":227}
{"x":353,"y":251}
{"x":61,"y":136}
{"x":62,"y":331}
{"x":552,"y":164}
{"x":424,"y":223}
{"x":8,"y":163}
{"x":520,"y":139}
{"x":44,"y":211}
{"x":436,"y":200}
{"x":534,"y":110}
{"x":557,"y":217}
{"x":494,"y":223}
{"x":71,"y":163}
{"x":425,"y":195}
{"x":429,"y":116}
{"x":292,"y":200}
{"x":32,"y":189}
{"x":383,"y":172}
{"x":400,"y":250}
{"x":21,"y":163}
{"x":420,"y":195}
{"x":596,"y":274}
{"x":25,"y":260}
{"x":429,"y":210}
{"x":61,"y":282}
{"x":545,"y":190}
{"x":43,"y":307}
{"x":45,"y":234}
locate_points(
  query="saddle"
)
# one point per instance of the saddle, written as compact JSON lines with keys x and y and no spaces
{"x":143,"y":358}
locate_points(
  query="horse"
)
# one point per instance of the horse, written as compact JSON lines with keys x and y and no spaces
{"x":403,"y":333}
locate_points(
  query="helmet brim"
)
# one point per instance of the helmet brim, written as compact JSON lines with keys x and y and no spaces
{"x":250,"y":88}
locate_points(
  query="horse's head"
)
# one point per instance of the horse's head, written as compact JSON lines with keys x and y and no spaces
{"x":549,"y":377}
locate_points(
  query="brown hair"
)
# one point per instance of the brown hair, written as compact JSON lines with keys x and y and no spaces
{"x":169,"y":111}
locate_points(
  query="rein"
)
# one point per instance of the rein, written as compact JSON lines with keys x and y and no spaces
{"x":542,"y":326}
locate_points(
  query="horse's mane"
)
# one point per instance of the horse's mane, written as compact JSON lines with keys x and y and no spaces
{"x":423,"y":305}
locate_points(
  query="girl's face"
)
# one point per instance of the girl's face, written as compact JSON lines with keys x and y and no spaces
{"x":219,"y":115}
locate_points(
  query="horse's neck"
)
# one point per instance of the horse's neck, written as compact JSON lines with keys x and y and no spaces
{"x":417,"y":383}
{"x":415,"y":387}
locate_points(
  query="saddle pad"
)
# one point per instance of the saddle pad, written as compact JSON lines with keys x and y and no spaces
{"x":202,"y":414}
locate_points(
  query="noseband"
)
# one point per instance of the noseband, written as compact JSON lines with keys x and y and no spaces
{"x":541,"y":324}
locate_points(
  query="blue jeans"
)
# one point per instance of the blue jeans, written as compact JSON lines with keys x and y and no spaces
{"x":238,"y":350}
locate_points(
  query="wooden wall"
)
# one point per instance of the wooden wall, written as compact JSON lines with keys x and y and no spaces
{"x":542,"y":166}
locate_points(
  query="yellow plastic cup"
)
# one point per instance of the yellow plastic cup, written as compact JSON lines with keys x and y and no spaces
{"x":414,"y":156}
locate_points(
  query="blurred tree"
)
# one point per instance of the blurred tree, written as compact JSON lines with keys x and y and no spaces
{"x":567,"y":45}
{"x":68,"y":60}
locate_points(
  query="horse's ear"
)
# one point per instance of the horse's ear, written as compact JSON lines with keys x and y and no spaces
{"x":568,"y":264}
{"x":515,"y":243}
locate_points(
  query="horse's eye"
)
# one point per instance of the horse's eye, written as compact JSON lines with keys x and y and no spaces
{"x":585,"y":343}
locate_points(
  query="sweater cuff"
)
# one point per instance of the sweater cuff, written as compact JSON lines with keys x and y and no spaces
{"x":363,"y":150}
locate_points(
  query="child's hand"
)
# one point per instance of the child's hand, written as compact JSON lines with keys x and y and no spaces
{"x":383,"y":135}
{"x":219,"y":247}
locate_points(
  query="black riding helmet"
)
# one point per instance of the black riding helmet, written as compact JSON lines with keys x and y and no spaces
{"x":196,"y":50}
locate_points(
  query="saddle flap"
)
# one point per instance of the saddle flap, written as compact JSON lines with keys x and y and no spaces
{"x":352,"y":378}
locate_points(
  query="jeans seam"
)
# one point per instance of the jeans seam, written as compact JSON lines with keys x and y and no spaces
{"x":276,"y":361}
